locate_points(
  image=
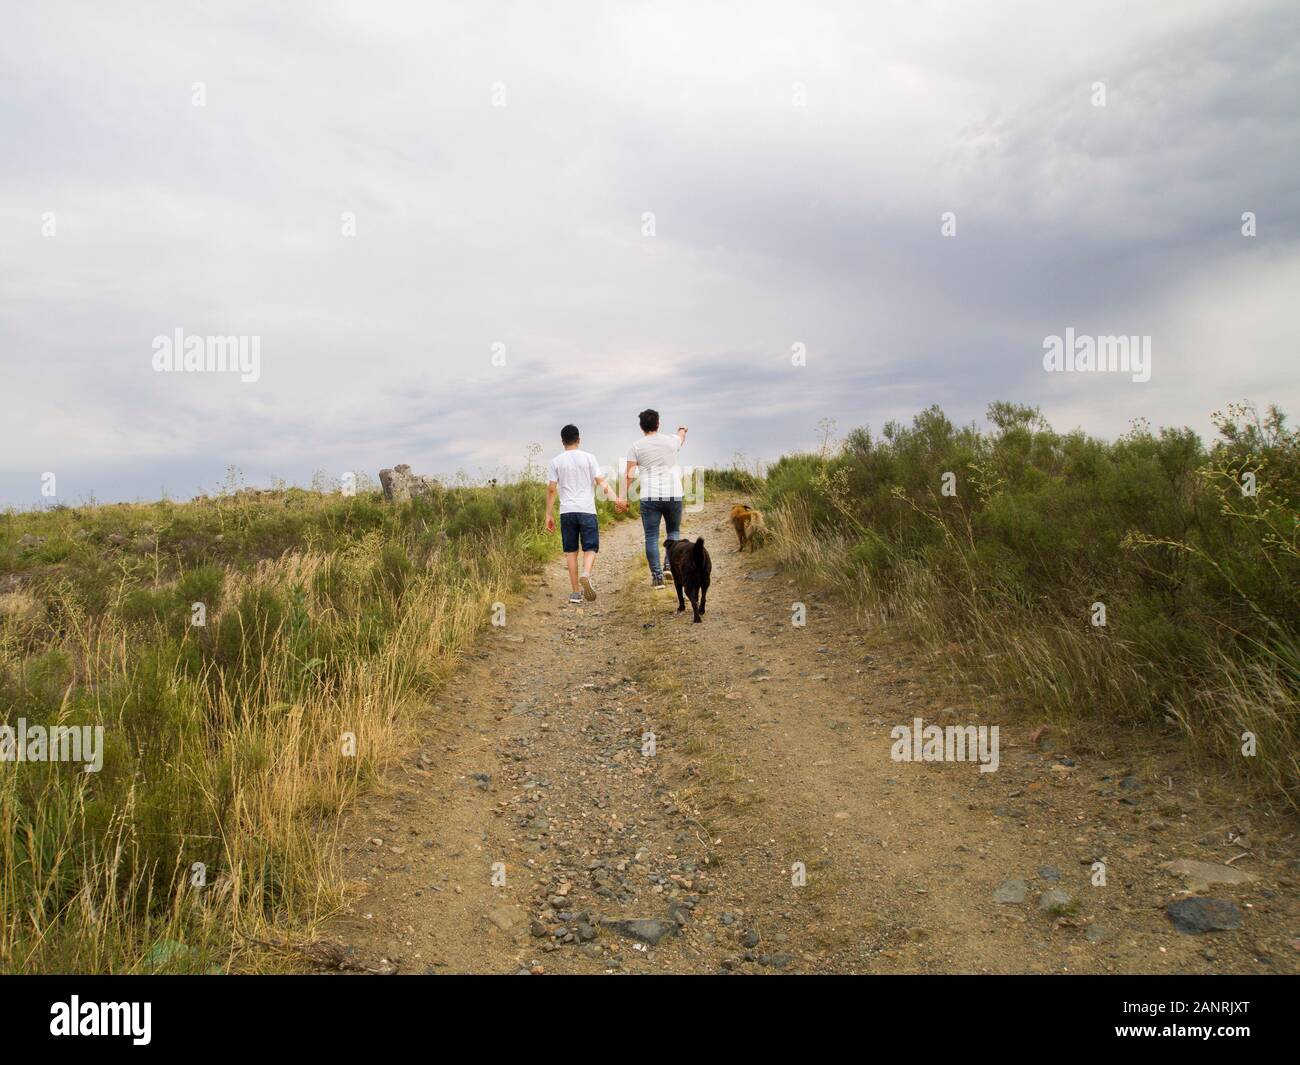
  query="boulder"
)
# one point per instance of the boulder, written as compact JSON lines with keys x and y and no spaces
{"x":400,"y":484}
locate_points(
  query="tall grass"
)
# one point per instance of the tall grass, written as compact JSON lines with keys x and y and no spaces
{"x":232,"y":747}
{"x":1199,"y":581}
{"x":735,"y":479}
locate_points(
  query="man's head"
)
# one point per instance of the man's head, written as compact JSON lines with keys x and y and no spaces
{"x":649,"y":421}
{"x":569,"y":436}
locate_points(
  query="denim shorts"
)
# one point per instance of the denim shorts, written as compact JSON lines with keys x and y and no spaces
{"x":575,"y":527}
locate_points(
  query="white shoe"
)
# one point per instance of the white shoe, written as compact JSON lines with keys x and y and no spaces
{"x":588,"y":589}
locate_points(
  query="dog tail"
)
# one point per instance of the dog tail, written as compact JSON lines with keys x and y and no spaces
{"x":697,"y":550}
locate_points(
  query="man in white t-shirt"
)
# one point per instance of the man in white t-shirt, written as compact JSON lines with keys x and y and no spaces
{"x":573,"y":473}
{"x":655,"y":455}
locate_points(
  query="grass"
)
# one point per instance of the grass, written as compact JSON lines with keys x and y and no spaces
{"x":734,"y":480}
{"x":230,"y":747}
{"x":1003,"y":547}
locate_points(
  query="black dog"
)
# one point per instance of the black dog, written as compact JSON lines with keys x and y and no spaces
{"x":691,"y":567}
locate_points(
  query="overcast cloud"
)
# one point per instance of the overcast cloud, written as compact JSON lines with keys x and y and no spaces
{"x":775,"y":224}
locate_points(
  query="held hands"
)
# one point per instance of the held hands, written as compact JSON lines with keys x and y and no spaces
{"x":620,"y":505}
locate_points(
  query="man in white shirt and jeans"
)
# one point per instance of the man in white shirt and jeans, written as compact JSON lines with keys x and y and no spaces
{"x":573,"y":472}
{"x":661,"y":486}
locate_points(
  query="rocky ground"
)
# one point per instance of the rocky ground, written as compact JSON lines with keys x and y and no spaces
{"x":610,"y":788}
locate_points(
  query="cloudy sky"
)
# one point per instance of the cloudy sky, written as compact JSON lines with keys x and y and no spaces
{"x":500,"y":160}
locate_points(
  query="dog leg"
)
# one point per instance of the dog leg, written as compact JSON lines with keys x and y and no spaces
{"x":681,"y":601}
{"x":695,"y":606}
{"x":704,"y":594}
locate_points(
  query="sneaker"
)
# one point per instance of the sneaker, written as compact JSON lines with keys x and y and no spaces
{"x":657,"y":582}
{"x":588,"y":589}
{"x":576,"y":597}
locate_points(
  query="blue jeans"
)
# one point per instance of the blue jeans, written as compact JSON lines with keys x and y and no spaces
{"x":651,"y":511}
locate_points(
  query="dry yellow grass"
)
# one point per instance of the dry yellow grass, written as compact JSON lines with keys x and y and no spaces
{"x":267,"y":761}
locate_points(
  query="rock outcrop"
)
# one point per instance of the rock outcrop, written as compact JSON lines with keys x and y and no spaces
{"x":400,"y":484}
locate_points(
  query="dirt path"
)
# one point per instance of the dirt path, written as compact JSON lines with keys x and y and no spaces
{"x":772,"y":747}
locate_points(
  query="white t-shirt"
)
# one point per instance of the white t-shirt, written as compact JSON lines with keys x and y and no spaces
{"x":575,"y":471}
{"x":656,"y":455}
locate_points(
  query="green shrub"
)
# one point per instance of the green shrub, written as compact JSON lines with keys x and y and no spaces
{"x":1193,"y":572}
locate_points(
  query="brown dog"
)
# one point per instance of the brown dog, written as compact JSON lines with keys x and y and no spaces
{"x":749,"y":525}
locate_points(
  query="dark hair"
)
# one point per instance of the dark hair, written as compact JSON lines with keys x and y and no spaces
{"x":649,"y":420}
{"x":569,"y":434}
